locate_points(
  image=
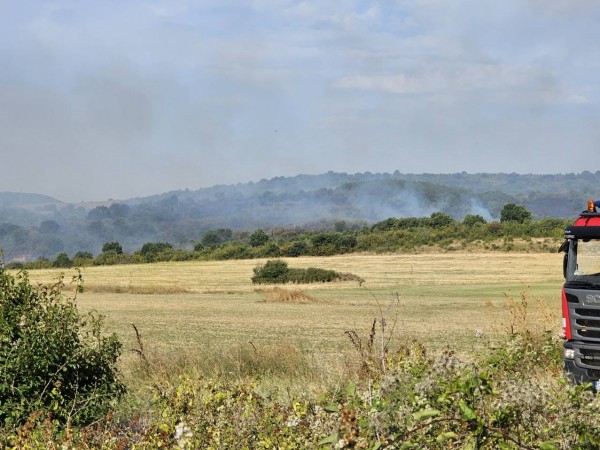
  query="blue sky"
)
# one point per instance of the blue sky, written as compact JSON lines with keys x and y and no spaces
{"x":115,"y":99}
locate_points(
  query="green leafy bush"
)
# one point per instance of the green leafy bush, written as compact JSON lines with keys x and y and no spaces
{"x":273,"y":271}
{"x":156,"y":251}
{"x":278,"y":272}
{"x":296,"y":248}
{"x":258,"y":238}
{"x":52,"y":358}
{"x":62,"y":260}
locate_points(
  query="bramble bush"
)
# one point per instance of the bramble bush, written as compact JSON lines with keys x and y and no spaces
{"x":53,"y":360}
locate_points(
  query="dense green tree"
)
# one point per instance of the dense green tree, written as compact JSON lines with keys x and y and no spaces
{"x":258,"y":238}
{"x":155,"y":247}
{"x":151,"y":250}
{"x":62,"y":260}
{"x":216,"y":237}
{"x":514,"y":213}
{"x":83,"y":255}
{"x":324,"y":244}
{"x":298,"y":248}
{"x":346,"y":243}
{"x":471,"y":220}
{"x":272,"y":250}
{"x":82,"y":259}
{"x":440,"y":220}
{"x":113,"y":247}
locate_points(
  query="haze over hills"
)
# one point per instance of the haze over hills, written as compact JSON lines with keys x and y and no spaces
{"x":35,"y":225}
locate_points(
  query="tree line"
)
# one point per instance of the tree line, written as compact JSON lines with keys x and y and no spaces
{"x":516,"y":231}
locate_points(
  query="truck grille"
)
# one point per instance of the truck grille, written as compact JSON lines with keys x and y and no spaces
{"x":585,"y":322}
{"x":588,"y":358}
{"x":588,"y":312}
{"x":585,"y":331}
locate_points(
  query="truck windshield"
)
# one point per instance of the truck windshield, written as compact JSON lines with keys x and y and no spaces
{"x":587,"y":268}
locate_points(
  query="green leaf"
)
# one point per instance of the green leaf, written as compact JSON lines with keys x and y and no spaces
{"x":446,"y":437}
{"x":351,"y":390}
{"x":332,"y":439}
{"x":466,"y":412}
{"x":332,"y":408}
{"x":425,"y":414}
{"x":471,"y":444}
{"x":548,"y":445}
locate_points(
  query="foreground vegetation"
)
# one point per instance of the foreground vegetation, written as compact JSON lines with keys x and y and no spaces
{"x":432,"y":353}
{"x":515,"y":398}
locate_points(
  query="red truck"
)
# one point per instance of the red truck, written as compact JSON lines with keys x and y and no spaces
{"x":581,"y":297}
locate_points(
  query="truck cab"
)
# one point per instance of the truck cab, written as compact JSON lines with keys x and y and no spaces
{"x":581,"y":297}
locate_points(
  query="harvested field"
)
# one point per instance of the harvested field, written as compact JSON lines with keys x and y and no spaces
{"x":445,"y":299}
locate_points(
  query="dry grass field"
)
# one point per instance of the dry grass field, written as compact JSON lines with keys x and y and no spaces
{"x":198,"y":308}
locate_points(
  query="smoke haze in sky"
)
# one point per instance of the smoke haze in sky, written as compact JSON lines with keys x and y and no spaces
{"x":116,"y":99}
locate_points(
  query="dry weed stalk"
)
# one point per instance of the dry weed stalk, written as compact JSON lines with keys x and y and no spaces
{"x":140,"y":349}
{"x":525,"y":319}
{"x":373,"y":352}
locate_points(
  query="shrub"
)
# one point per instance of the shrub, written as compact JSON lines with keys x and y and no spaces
{"x":471,"y":220}
{"x":316,"y":275}
{"x":346,"y":243}
{"x":272,"y":250}
{"x":53,"y":358}
{"x":82,"y":259}
{"x":111,"y":258}
{"x":154,"y":251}
{"x":231,"y":250}
{"x":274,"y":271}
{"x":40,"y":263}
{"x":324,"y":244}
{"x":440,"y":220}
{"x":297,"y":248}
{"x":216,"y":237}
{"x":277,"y":272}
{"x":62,"y":260}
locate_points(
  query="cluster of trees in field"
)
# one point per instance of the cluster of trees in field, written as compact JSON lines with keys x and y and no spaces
{"x":516,"y":230}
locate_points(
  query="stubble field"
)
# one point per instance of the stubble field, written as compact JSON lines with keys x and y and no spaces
{"x":456,"y":300}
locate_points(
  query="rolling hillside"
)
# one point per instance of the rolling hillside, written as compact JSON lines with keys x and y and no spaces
{"x":34,"y":225}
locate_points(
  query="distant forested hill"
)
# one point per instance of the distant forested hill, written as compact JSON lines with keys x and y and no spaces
{"x":33,"y":225}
